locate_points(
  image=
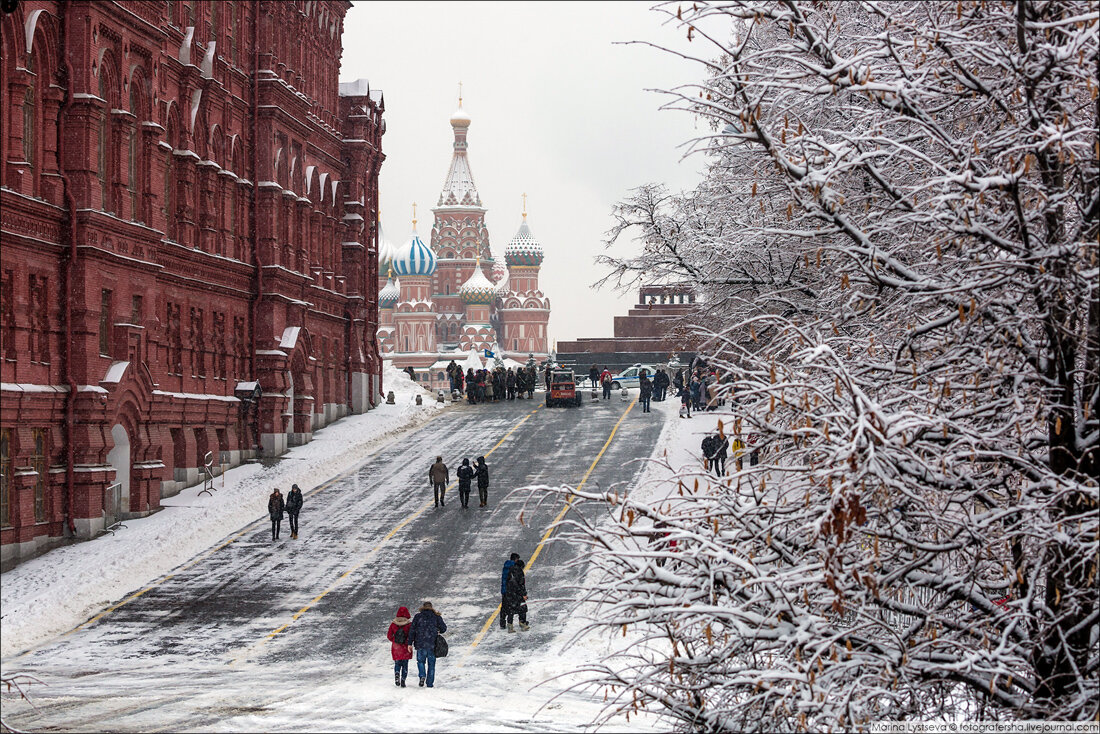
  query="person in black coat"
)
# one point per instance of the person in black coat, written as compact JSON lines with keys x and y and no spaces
{"x":275,"y":506}
{"x":465,"y":475}
{"x":293,"y":507}
{"x":515,"y":597}
{"x":481,"y":471}
{"x":645,"y":386}
{"x":660,"y":385}
{"x":426,"y":626}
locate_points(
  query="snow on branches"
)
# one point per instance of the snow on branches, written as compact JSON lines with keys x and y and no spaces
{"x":895,"y":247}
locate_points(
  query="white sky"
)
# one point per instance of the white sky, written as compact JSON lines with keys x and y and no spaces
{"x":559,"y":112}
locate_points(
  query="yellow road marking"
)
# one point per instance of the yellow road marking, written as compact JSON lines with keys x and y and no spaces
{"x":371,"y":553}
{"x":549,"y":531}
{"x":212,"y":551}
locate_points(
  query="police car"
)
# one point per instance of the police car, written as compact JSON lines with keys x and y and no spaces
{"x":629,"y":377}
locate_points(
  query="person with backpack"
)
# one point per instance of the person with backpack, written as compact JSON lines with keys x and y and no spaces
{"x":605,"y":382}
{"x":515,"y":597}
{"x":504,"y":585}
{"x":481,"y":471}
{"x":427,"y":625}
{"x":275,"y":507}
{"x":293,"y":507}
{"x":708,"y":448}
{"x":401,"y":648}
{"x":465,"y":475}
{"x":439,"y":476}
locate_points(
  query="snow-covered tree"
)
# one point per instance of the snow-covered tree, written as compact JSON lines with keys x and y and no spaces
{"x":896,"y":251}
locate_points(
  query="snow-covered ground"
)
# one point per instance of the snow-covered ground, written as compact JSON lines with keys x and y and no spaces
{"x":55,"y":592}
{"x":63,"y":588}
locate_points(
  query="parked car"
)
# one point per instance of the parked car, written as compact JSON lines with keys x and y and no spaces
{"x":629,"y":377}
{"x":563,"y":389}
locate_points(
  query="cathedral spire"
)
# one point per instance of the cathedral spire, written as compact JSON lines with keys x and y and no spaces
{"x":459,"y":188}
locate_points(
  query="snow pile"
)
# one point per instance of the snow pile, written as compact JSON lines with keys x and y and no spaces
{"x":63,"y":588}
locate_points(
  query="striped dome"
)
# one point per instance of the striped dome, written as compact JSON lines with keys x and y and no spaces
{"x":524,"y":249}
{"x":386,"y":250}
{"x":414,"y":257}
{"x":478,"y":290}
{"x":500,"y":275}
{"x":390,"y":294}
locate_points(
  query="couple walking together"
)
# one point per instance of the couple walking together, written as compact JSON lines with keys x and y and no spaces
{"x":439,"y":476}
{"x":422,"y":633}
{"x":291,"y":504}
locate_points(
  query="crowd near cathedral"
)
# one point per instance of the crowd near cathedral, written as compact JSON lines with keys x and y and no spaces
{"x":193,"y":274}
{"x":450,"y":299}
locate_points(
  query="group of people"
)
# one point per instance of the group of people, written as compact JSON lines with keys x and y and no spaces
{"x":491,"y":386}
{"x":420,"y":635}
{"x":291,"y":505}
{"x":698,"y":390}
{"x":716,"y":448}
{"x":440,"y":476}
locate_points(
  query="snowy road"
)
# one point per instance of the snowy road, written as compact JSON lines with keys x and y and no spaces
{"x":253,"y":634}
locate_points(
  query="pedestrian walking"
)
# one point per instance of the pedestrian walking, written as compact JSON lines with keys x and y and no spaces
{"x":275,"y":507}
{"x":481,"y":471}
{"x":532,"y":380}
{"x":594,"y":375}
{"x":685,"y":401}
{"x":439,"y":475}
{"x":738,"y":449}
{"x":401,"y":648}
{"x":605,"y":381}
{"x":696,"y":393}
{"x":426,"y":626}
{"x":721,"y":449}
{"x":465,"y":475}
{"x":645,"y":386}
{"x":490,"y":391}
{"x":471,"y":386}
{"x":547,"y":376}
{"x":660,"y":385}
{"x":515,"y":597}
{"x":708,"y":448}
{"x":504,"y":586}
{"x":293,"y":507}
{"x":510,"y":384}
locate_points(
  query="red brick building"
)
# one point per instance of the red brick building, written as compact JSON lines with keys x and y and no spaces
{"x":189,"y":210}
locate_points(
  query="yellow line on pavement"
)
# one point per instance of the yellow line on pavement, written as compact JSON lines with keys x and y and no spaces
{"x":371,"y":553}
{"x":550,"y":530}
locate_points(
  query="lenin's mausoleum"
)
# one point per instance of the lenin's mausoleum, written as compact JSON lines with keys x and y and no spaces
{"x":189,"y":249}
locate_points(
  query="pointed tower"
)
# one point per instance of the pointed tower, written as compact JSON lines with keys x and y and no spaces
{"x":523,"y":310}
{"x":459,"y":237}
{"x":414,"y":316}
{"x":477,"y":294}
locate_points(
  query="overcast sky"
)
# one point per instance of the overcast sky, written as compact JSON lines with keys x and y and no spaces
{"x":558,"y":110}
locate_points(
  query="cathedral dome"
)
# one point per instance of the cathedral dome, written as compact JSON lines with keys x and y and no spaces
{"x":390,"y":294}
{"x":460,"y":118}
{"x":500,"y":276}
{"x":414,"y":257}
{"x":478,"y":290}
{"x":386,"y":250}
{"x":524,"y":249}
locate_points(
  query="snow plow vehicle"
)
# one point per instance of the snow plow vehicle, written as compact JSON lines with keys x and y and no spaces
{"x":563,"y":389}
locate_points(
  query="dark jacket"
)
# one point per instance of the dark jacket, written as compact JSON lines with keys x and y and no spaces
{"x":660,"y":380}
{"x":646,"y":388}
{"x":504,"y":576}
{"x":438,"y":473}
{"x":465,"y":474}
{"x":294,"y":501}
{"x":275,"y":506}
{"x":400,"y":650}
{"x":723,"y":445}
{"x":515,"y":588}
{"x":426,"y":625}
{"x":708,"y":446}
{"x":482,"y":473}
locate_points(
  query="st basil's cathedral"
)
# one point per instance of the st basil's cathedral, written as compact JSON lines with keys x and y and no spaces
{"x":452,"y":298}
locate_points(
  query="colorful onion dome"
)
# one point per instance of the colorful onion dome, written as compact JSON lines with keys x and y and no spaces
{"x":478,"y":290}
{"x":500,"y":273}
{"x":386,"y":249}
{"x":414,"y":257}
{"x":524,"y":249}
{"x":390,"y":294}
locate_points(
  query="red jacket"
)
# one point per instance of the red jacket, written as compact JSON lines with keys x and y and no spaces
{"x":401,"y":622}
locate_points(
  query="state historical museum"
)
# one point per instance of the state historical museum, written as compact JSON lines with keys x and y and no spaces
{"x":189,"y":249}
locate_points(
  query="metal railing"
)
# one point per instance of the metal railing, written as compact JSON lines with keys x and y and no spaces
{"x":112,"y":508}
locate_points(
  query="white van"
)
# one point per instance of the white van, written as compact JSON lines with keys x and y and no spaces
{"x":629,"y":378}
